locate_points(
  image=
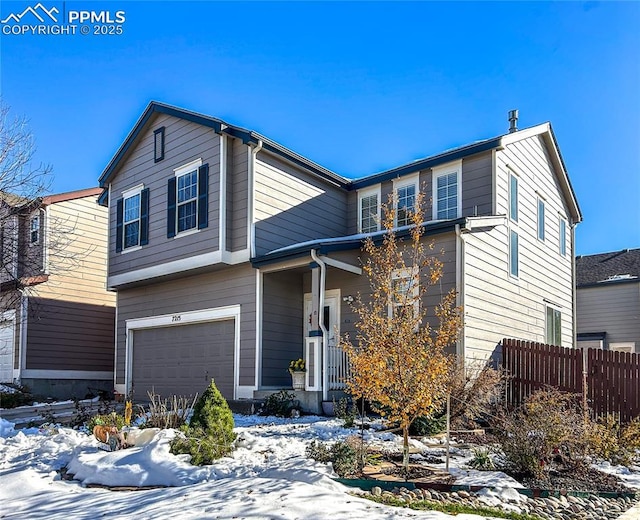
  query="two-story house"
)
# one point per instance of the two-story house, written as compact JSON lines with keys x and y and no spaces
{"x":58,"y":320}
{"x":232,"y":255}
{"x":608,"y":300}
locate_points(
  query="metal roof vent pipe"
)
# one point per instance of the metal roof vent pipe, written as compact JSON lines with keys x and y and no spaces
{"x":513,"y":121}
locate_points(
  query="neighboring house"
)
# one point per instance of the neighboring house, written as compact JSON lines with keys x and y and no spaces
{"x":57,"y":329}
{"x":232,"y":255}
{"x":608,"y":300}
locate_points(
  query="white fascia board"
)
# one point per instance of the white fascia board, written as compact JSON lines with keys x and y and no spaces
{"x":514,"y":137}
{"x":341,"y":265}
{"x":67,"y":374}
{"x":184,"y":318}
{"x":155,"y":271}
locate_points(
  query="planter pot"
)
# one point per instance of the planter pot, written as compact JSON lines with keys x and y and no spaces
{"x":328,"y":409}
{"x":297,"y":380}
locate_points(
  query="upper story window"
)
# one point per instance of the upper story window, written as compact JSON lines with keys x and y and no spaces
{"x":187,"y":192}
{"x":132,"y":219}
{"x":406,"y":190}
{"x":447,"y":191}
{"x":541,"y":210}
{"x":514,"y":253}
{"x":158,"y":144}
{"x":34,"y":230}
{"x":563,"y":236}
{"x":553,"y":326}
{"x":369,"y":210}
{"x":513,"y":197}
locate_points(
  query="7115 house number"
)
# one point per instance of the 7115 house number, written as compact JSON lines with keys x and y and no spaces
{"x":175,"y":318}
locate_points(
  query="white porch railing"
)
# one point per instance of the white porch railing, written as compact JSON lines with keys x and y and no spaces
{"x":338,"y":368}
{"x":337,"y":365}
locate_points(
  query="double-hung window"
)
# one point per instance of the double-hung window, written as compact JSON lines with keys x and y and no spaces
{"x":553,"y":332}
{"x":132,"y":219}
{"x":405,"y":195}
{"x":34,"y":230}
{"x":187,"y":191}
{"x":369,"y":210}
{"x":447,"y":191}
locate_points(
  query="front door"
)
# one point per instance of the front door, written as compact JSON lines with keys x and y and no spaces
{"x":7,"y":338}
{"x":336,"y":361}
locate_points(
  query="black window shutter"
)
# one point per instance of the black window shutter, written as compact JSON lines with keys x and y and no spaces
{"x":119,"y":219}
{"x":144,"y":217}
{"x":171,"y":207}
{"x":203,"y":196}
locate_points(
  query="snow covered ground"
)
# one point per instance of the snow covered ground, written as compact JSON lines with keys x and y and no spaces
{"x":268,"y":477}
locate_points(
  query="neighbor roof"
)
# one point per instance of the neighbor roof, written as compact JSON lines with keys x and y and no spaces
{"x":616,"y":267}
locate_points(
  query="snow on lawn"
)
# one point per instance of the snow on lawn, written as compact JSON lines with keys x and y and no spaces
{"x":268,"y":477}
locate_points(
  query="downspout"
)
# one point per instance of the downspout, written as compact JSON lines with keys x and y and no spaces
{"x":323,"y":328}
{"x":22,"y":341}
{"x":460,"y":261}
{"x":252,"y":197}
{"x":574,"y":290}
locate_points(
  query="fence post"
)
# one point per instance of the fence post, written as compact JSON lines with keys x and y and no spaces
{"x":585,"y":408}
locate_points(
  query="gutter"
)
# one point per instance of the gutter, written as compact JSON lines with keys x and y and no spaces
{"x":323,"y":328}
{"x":252,"y":197}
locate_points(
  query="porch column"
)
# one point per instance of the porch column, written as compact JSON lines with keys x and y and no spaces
{"x":313,"y":343}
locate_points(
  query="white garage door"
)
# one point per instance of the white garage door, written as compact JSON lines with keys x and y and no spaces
{"x":182,"y":360}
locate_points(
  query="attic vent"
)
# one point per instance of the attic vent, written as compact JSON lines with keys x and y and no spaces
{"x":513,"y":121}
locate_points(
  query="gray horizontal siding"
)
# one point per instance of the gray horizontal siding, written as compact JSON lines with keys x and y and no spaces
{"x":235,"y":285}
{"x":292,"y":207}
{"x":610,"y":308}
{"x":64,"y":335}
{"x":282,"y":331}
{"x":238,"y":196}
{"x":184,"y":142}
{"x":477,"y":185}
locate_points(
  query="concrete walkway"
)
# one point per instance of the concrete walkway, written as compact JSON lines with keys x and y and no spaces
{"x":631,"y":514}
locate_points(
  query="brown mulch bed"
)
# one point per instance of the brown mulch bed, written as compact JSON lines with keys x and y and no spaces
{"x":576,"y":479}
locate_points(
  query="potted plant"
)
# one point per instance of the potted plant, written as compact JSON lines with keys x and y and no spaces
{"x":297,"y":369}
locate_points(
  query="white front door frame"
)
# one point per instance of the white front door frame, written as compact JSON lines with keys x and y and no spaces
{"x":8,"y":350}
{"x":332,"y":301}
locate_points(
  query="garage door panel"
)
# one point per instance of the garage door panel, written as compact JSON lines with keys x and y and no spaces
{"x":181,"y":360}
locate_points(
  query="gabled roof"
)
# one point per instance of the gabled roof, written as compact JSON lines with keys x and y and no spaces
{"x":219,"y":126}
{"x":248,"y":136}
{"x":70,"y":195}
{"x":616,"y":267}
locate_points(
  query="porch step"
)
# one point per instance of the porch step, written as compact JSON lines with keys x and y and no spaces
{"x":245,"y":406}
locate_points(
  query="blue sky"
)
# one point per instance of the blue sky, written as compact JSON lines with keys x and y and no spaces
{"x":357,"y":87}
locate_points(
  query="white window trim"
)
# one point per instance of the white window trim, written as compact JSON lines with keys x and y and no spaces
{"x":517,"y":216}
{"x":408,"y":180}
{"x":127,"y":194}
{"x":376,"y":190}
{"x":439,"y":171}
{"x":549,"y":305}
{"x":541,"y":200}
{"x":179,"y":172}
{"x":399,"y":274}
{"x":511,"y":275}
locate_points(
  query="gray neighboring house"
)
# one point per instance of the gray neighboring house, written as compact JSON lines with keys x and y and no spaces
{"x":608,"y":300}
{"x":231,"y":254}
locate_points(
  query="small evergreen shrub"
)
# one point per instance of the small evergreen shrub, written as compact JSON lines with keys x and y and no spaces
{"x":346,"y":411}
{"x":15,"y":396}
{"x":209,"y":435}
{"x":341,"y":454}
{"x":425,"y":426}
{"x":108,"y":419}
{"x":279,"y":404}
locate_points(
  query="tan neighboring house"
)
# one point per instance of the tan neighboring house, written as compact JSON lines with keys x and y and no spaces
{"x":608,"y":300}
{"x":57,"y":324}
{"x":232,"y":255}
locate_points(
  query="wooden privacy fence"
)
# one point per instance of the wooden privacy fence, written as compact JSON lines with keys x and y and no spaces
{"x":612,"y":378}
